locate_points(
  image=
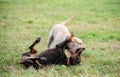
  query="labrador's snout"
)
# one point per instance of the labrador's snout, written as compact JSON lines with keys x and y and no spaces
{"x":83,"y":48}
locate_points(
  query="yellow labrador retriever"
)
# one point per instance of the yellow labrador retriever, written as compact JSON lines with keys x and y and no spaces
{"x":59,"y":33}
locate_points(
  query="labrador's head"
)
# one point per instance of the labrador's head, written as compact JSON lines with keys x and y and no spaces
{"x":75,"y":44}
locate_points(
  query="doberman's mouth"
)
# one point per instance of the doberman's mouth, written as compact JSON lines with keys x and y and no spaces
{"x":72,"y":52}
{"x":79,"y":49}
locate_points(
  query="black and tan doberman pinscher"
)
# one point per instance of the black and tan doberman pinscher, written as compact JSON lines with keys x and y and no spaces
{"x":54,"y":56}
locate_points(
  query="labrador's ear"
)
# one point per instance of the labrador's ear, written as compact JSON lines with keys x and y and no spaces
{"x":72,"y":36}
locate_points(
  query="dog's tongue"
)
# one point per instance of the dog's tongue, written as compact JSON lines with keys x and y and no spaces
{"x":73,"y":52}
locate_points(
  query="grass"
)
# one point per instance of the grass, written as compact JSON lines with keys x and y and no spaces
{"x":97,"y":22}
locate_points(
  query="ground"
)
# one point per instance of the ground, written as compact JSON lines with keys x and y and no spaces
{"x":97,"y":22}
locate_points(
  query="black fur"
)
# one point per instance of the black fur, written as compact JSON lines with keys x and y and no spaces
{"x":52,"y":56}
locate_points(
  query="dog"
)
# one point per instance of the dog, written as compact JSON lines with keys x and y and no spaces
{"x":59,"y":33}
{"x":31,"y":54}
{"x":54,"y":56}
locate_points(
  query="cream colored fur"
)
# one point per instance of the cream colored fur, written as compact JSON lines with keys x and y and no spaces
{"x":59,"y":33}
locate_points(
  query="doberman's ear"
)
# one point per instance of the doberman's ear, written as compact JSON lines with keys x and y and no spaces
{"x":58,"y":46}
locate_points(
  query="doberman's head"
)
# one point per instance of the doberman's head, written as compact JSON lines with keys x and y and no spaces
{"x":75,"y":58}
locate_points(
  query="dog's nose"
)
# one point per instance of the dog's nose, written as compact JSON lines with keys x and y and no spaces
{"x":83,"y":48}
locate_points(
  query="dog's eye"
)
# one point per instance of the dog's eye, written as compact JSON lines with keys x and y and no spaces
{"x":79,"y":43}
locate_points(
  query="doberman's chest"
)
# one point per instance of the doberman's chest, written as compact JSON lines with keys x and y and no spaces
{"x":51,"y":57}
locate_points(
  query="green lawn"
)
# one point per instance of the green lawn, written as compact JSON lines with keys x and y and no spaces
{"x":97,"y":22}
